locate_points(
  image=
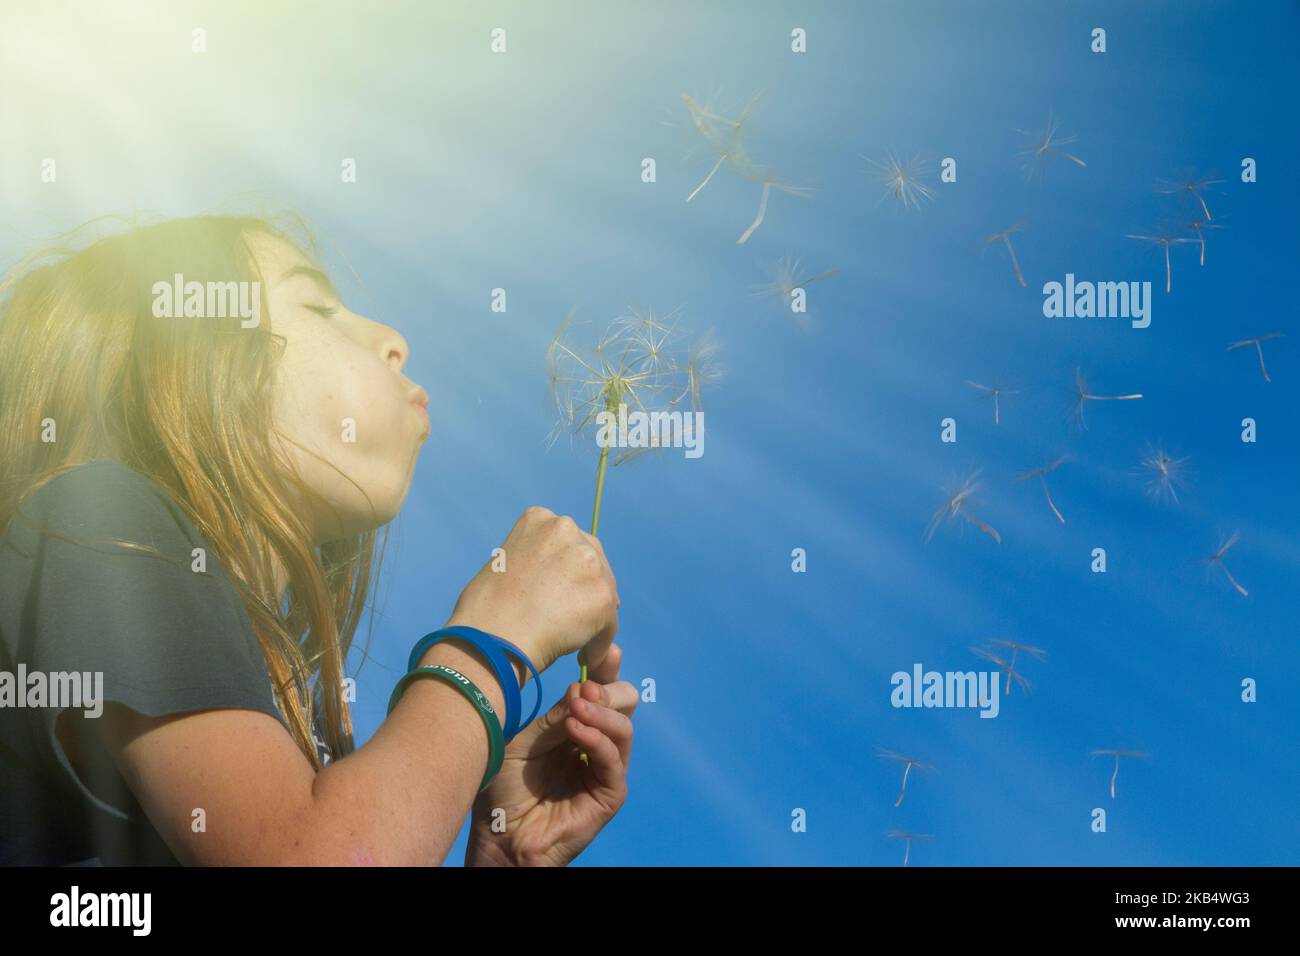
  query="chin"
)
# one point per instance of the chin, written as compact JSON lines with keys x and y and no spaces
{"x":356,"y":515}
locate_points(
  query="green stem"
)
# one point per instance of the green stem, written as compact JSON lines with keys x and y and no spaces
{"x":600,"y":488}
{"x":595,"y":523}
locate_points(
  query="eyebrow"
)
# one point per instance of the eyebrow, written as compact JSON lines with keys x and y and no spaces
{"x":315,"y":275}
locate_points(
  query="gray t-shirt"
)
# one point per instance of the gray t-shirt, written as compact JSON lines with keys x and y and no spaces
{"x":166,"y":639}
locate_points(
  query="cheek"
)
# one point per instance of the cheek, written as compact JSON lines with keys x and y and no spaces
{"x":337,"y":402}
{"x":363,"y":408}
{"x":346,"y":407}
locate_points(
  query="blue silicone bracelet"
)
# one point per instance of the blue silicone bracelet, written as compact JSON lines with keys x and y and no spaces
{"x":495,"y":649}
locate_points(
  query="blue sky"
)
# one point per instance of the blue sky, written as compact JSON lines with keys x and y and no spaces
{"x":522,"y":171}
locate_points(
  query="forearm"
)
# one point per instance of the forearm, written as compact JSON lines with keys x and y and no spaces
{"x":402,"y":798}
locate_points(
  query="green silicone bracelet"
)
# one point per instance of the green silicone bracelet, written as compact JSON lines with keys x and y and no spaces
{"x":496,"y":739}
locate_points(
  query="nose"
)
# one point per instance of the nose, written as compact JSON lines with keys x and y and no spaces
{"x":391,"y":345}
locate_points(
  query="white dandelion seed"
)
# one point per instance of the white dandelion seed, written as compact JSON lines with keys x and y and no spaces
{"x":958,"y":506}
{"x":1041,"y":474}
{"x":1258,"y":348}
{"x":1116,"y":754}
{"x":1044,"y":145}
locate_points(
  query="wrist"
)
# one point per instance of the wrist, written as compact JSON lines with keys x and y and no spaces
{"x":487,"y":850}
{"x":465,"y":658}
{"x":520,"y":670}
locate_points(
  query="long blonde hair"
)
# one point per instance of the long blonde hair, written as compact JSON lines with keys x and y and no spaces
{"x":189,"y":405}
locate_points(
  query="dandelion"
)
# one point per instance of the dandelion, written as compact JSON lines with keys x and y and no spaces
{"x":638,"y":361}
{"x":908,"y":838}
{"x":1006,"y":659}
{"x":1042,"y":146}
{"x":1083,"y":396}
{"x":904,"y":180}
{"x":1041,"y":474}
{"x":1198,"y":227}
{"x":789,"y":280}
{"x":1005,"y":236}
{"x":1116,"y":754}
{"x":908,"y":764}
{"x":558,"y":377}
{"x":1165,"y":473}
{"x":1258,"y":348}
{"x":702,"y":370}
{"x":726,"y":138}
{"x":1189,"y":185}
{"x":1165,"y":240}
{"x":958,"y":506}
{"x":1216,"y":561}
{"x":995,"y":392}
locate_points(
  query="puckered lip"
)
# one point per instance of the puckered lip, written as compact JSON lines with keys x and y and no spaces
{"x":420,"y":397}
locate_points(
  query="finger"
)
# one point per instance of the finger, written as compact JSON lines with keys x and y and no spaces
{"x":607,"y":671}
{"x":600,"y":549}
{"x":605,"y":762}
{"x":595,"y":650}
{"x":595,"y":543}
{"x":616,"y":695}
{"x":531,"y":514}
{"x":617,"y":727}
{"x":548,"y":729}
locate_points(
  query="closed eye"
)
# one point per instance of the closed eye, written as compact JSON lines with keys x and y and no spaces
{"x":325,"y":311}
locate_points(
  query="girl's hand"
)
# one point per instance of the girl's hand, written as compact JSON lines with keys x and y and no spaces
{"x":545,"y":803}
{"x":556,"y":594}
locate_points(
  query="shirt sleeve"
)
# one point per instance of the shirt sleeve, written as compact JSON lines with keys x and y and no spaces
{"x":162,"y":637}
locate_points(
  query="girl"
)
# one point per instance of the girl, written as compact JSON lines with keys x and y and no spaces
{"x":189,"y":506}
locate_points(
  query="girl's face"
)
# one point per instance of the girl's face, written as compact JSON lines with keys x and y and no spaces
{"x":341,"y":400}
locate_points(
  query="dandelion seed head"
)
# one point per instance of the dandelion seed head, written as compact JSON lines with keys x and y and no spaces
{"x":1259,"y":349}
{"x":725,"y":138}
{"x":995,"y":392}
{"x":1019,"y":648}
{"x":787,"y":277}
{"x":1106,"y":752}
{"x":1162,"y":237}
{"x":884,"y":754}
{"x":640,"y":359}
{"x":1225,"y":546}
{"x":999,"y":236}
{"x":1004,"y":237}
{"x":1003,"y":663}
{"x":1216,"y":562}
{"x":1047,"y":469}
{"x":1259,"y":338}
{"x":724,"y":135}
{"x":1190,"y":186}
{"x":957,"y":506}
{"x":1042,"y":145}
{"x":1164,"y":473}
{"x":702,"y":369}
{"x":1199,"y":225}
{"x":1083,"y":395}
{"x":904,"y":181}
